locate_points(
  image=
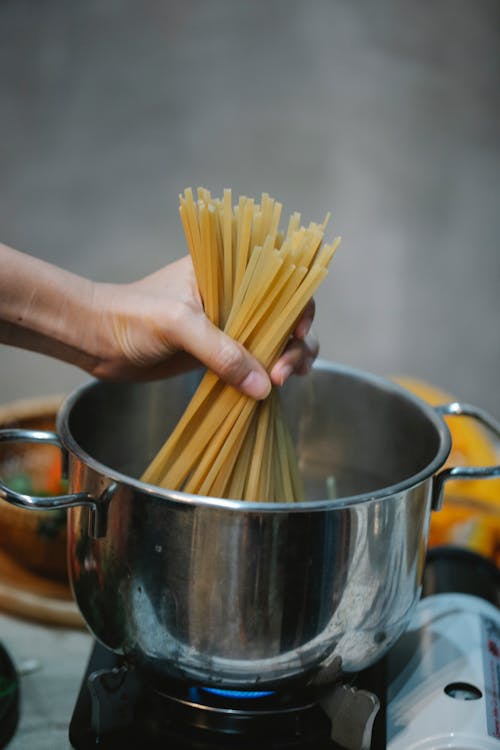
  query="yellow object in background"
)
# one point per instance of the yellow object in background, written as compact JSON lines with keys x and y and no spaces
{"x":470,"y":516}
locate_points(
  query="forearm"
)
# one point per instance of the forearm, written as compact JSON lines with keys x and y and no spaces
{"x":45,"y":308}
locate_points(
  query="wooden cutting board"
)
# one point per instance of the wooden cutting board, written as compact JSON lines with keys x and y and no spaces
{"x":29,"y":596}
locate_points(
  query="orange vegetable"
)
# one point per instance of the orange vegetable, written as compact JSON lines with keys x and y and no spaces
{"x":54,"y":480}
{"x":470,"y":516}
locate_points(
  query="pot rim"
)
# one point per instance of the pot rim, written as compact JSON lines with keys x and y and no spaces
{"x":178,"y":496}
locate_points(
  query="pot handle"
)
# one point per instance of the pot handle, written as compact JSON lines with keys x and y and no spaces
{"x":457,"y":409}
{"x":31,"y":502}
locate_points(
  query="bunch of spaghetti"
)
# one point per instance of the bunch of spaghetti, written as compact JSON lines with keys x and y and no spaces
{"x":254,"y":282}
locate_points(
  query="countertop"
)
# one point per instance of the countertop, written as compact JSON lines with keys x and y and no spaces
{"x":52,"y":662}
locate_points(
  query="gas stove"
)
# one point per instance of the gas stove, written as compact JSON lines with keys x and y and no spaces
{"x":443,"y":676}
{"x":438,"y":688}
{"x":115,"y":707}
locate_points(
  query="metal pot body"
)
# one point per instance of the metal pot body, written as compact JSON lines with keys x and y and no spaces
{"x":231,"y":594}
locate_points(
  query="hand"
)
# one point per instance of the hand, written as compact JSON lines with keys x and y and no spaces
{"x":156,"y":326}
{"x":140,"y":331}
{"x":301,"y":351}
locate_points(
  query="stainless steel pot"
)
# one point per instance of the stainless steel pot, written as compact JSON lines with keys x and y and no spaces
{"x":234,"y":594}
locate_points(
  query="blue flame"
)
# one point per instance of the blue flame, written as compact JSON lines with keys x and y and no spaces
{"x":248,"y":694}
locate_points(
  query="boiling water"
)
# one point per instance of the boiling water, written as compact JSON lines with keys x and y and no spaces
{"x":343,"y":482}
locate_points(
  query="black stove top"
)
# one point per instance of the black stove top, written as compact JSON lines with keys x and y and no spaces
{"x":115,"y":709}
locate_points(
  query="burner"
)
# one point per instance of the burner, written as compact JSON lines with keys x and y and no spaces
{"x":268,"y":716}
{"x":115,"y":709}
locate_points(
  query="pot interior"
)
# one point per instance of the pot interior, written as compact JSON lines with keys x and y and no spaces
{"x":354,"y":433}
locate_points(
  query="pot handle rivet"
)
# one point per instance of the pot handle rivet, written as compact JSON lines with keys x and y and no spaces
{"x":98,"y":522}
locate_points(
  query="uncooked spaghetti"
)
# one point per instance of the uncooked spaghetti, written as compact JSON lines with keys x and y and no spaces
{"x":254,"y":283}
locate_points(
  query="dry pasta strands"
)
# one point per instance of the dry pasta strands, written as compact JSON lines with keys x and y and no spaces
{"x":254,"y":283}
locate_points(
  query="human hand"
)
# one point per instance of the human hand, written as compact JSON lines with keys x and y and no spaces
{"x":301,"y":350}
{"x":156,"y":327}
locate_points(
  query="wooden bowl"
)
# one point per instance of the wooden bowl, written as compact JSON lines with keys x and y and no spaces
{"x":34,"y":539}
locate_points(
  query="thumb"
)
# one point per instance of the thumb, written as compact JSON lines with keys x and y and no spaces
{"x":223,"y":355}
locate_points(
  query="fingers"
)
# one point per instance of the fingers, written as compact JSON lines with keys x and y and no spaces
{"x":236,"y":366}
{"x":297,"y":358}
{"x":301,"y":351}
{"x":305,"y":321}
{"x":224,"y":356}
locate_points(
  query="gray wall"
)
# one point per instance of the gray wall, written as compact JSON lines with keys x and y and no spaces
{"x":386,"y":113}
